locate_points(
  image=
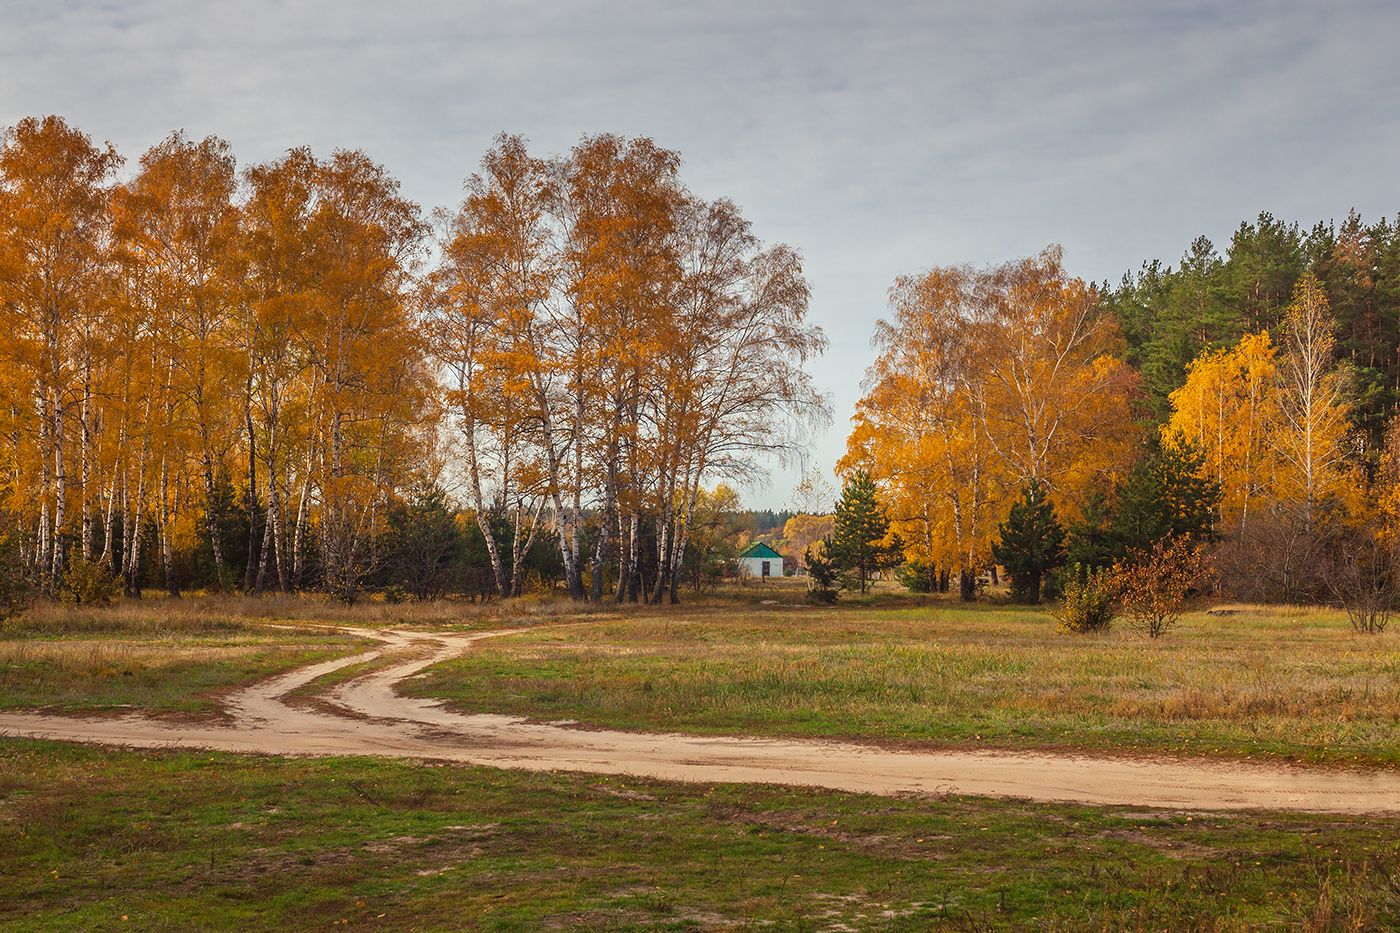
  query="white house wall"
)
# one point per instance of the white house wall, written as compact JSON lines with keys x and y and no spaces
{"x":753,"y":566}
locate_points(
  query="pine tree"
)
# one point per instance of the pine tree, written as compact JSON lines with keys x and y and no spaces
{"x":858,"y":542}
{"x":1030,"y":543}
{"x":1091,"y":545}
{"x":1165,"y":495}
{"x":424,"y":544}
{"x":1192,"y":316}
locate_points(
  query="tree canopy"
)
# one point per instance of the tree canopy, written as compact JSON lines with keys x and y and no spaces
{"x":267,"y":368}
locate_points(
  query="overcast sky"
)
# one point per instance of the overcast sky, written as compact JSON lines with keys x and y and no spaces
{"x":877,"y":138}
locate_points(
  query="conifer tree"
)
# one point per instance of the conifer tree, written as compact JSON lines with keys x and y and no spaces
{"x":825,"y":577}
{"x":1030,"y":543}
{"x":1090,"y":543}
{"x":1166,"y":495}
{"x":858,"y":541}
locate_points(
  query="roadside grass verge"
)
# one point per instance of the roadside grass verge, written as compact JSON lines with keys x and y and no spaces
{"x":1277,"y":683}
{"x":99,"y":839}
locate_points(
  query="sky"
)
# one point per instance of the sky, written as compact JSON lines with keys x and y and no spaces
{"x":876,"y":138}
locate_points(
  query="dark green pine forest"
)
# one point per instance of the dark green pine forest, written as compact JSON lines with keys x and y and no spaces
{"x":1209,"y":298}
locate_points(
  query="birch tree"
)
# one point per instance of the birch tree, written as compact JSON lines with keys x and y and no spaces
{"x":1312,"y":410}
{"x":54,"y":222}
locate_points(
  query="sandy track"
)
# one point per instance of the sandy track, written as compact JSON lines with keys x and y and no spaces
{"x":366,"y":716}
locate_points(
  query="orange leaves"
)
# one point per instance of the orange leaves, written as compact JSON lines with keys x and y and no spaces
{"x":1055,"y":399}
{"x":191,"y":342}
{"x":986,"y":379}
{"x":1152,"y":588}
{"x":597,"y":318}
{"x":54,"y":227}
{"x":189,"y":331}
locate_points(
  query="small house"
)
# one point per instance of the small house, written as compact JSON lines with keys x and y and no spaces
{"x":758,"y":560}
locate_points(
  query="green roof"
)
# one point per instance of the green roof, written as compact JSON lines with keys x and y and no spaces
{"x":759,"y":549}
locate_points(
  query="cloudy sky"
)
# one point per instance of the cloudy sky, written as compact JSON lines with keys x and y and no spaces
{"x":876,"y":138}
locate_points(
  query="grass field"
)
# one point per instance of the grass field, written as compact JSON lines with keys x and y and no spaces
{"x":165,"y":657}
{"x":1280,"y":683}
{"x":177,"y":656}
{"x":105,"y":839}
{"x":102,"y":840}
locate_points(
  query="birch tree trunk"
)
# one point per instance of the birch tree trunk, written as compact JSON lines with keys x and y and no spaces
{"x":60,"y":503}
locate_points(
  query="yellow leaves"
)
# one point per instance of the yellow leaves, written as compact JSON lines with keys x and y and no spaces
{"x":1055,"y":399}
{"x":1387,"y":486}
{"x":1272,"y":420}
{"x":986,"y":378}
{"x":1227,"y":408}
{"x":610,"y":342}
{"x":804,"y":531}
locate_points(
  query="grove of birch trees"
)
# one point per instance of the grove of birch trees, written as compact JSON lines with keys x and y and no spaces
{"x":231,"y":377}
{"x":987,"y":380}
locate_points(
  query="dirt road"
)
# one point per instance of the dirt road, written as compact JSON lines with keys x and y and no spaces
{"x":365,"y":716}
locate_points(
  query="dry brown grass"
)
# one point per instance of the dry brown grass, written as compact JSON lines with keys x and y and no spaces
{"x":155,"y":615}
{"x":1263,"y":680}
{"x":160,"y":655}
{"x":78,"y":657}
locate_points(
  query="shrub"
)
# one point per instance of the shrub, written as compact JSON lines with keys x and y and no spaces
{"x":918,"y":576}
{"x":823,"y":575}
{"x":1090,"y":601}
{"x":1155,"y":585}
{"x":1362,"y":573}
{"x":88,"y":583}
{"x":15,"y":591}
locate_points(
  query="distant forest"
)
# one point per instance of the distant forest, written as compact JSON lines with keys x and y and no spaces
{"x":1170,"y":314}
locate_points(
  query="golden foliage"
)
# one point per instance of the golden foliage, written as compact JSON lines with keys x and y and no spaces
{"x":1272,"y":420}
{"x":987,"y":379}
{"x":195,"y":341}
{"x":1226,"y":409}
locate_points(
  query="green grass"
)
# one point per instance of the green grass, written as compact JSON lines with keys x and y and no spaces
{"x":1270,"y":683}
{"x":180,"y":840}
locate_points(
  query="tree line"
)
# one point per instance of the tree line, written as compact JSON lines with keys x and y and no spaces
{"x":1019,"y":417}
{"x":248,"y":378}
